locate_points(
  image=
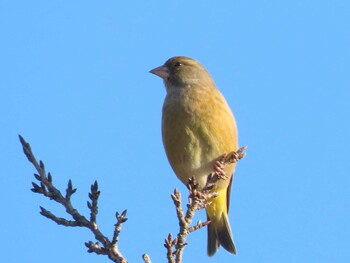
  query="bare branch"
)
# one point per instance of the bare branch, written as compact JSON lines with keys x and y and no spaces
{"x":46,"y":188}
{"x":196,"y":202}
{"x":198,"y":226}
{"x":118,"y":226}
{"x":94,"y":195}
{"x":198,"y":199}
{"x":58,"y":220}
{"x":235,"y":156}
{"x":146,"y":258}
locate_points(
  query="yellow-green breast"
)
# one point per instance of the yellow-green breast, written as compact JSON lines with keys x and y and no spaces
{"x":197,"y":127}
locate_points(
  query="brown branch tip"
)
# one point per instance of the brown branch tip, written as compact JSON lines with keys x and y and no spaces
{"x":103,"y":246}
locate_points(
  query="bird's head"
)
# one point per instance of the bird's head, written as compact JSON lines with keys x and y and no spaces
{"x":182,"y":72}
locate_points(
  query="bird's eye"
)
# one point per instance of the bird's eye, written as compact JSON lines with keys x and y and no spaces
{"x":178,"y":64}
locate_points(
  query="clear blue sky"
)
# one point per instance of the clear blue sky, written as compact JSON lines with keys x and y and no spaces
{"x":75,"y":83}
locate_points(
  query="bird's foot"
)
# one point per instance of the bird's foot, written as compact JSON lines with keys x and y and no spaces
{"x":219,"y":168}
{"x":204,"y":194}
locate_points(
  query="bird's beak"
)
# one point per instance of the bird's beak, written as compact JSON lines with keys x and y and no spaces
{"x":161,"y":71}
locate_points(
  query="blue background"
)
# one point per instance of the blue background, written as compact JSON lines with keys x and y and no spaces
{"x":75,"y":83}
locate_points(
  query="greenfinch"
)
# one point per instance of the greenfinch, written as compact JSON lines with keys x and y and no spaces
{"x":198,"y":128}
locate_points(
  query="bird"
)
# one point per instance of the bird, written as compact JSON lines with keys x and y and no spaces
{"x":198,"y":127}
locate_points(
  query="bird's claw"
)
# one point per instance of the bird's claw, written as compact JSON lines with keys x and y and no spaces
{"x":219,"y":168}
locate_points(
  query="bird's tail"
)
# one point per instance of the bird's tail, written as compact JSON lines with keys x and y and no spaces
{"x":219,"y":230}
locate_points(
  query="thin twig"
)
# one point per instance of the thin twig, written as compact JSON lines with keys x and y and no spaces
{"x":146,"y":258}
{"x":46,"y":188}
{"x":235,"y":156}
{"x":169,"y":243}
{"x":196,"y":202}
{"x":199,"y":198}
